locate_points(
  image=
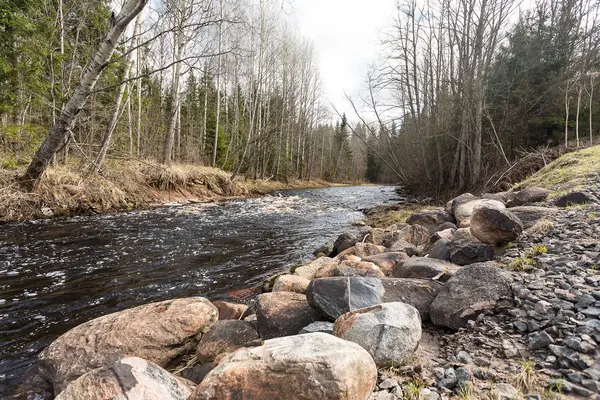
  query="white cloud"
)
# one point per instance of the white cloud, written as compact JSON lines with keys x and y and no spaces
{"x":346,"y":34}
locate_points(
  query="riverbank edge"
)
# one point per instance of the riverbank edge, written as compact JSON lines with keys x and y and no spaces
{"x":67,"y":191}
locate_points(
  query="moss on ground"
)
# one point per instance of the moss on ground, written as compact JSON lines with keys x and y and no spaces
{"x":569,"y":172}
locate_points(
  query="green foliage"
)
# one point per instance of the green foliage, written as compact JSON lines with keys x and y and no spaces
{"x":413,"y":389}
{"x":526,"y":378}
{"x":523,"y":263}
{"x":528,"y":262}
{"x":10,"y":163}
{"x":537,"y":249}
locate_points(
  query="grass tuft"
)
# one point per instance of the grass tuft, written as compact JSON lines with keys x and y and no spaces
{"x":526,"y":378}
{"x":542,"y":227}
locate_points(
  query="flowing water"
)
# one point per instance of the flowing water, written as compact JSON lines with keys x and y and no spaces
{"x":56,"y":274}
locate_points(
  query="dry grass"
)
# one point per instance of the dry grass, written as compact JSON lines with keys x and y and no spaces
{"x":386,"y":216}
{"x":541,"y":227}
{"x":571,"y":171}
{"x":526,"y":380}
{"x":67,"y":190}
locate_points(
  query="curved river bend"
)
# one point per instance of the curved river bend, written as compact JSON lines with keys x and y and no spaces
{"x":57,"y":274}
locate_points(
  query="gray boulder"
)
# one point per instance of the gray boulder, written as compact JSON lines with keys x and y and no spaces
{"x":440,"y":250}
{"x":333,"y":297}
{"x":158,"y":332}
{"x":309,"y":270}
{"x":471,"y":291}
{"x":471,"y":253}
{"x":465,"y":249}
{"x":290,"y":283}
{"x":425,"y":267}
{"x":575,"y":198}
{"x":319,"y":326}
{"x":464,"y":211}
{"x":130,"y":378}
{"x":387,"y":261}
{"x":303,"y":367}
{"x":430,"y":219}
{"x":492,"y":225}
{"x":225,"y":337}
{"x":390,"y":332}
{"x":283,"y":314}
{"x":356,"y":268}
{"x":343,"y":242}
{"x":504,"y":197}
{"x":415,"y":234}
{"x":363,"y":250}
{"x":529,"y":215}
{"x":527,"y":196}
{"x":401,"y":245}
{"x":457,"y":201}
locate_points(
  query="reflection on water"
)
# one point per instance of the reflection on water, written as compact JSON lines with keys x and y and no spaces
{"x":57,"y":274}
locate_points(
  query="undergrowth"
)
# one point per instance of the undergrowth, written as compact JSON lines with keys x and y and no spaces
{"x":528,"y":261}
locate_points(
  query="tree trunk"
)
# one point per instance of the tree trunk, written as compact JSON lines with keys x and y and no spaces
{"x":115,"y":117}
{"x":61,"y":130}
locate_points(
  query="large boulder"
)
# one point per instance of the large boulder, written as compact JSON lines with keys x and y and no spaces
{"x":491,"y":225}
{"x":363,"y":250}
{"x":465,"y":249}
{"x":471,"y":253}
{"x":441,"y":250}
{"x":575,"y":198}
{"x":349,"y":266}
{"x":333,"y":297}
{"x":157,"y":332}
{"x":291,"y":283}
{"x":446,"y":234}
{"x":230,"y":310}
{"x":309,"y":270}
{"x":225,"y":337}
{"x":303,"y":367}
{"x":283,"y":314}
{"x":390,"y":332}
{"x":387,"y":261}
{"x":527,"y":196}
{"x":425,"y":267}
{"x":471,"y":291}
{"x":430,"y":219}
{"x":343,"y":242}
{"x":464,"y":211}
{"x":504,"y":197}
{"x":415,"y":234}
{"x":529,"y":215}
{"x":357,"y":268}
{"x":457,"y":201}
{"x":378,"y":236}
{"x":402,"y":246}
{"x":130,"y":378}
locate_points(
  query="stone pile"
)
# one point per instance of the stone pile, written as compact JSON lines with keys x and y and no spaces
{"x":448,"y":303}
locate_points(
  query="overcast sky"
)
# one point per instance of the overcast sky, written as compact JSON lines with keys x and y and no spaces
{"x":346,"y":34}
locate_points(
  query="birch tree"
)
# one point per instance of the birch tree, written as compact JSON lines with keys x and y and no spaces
{"x":61,"y":130}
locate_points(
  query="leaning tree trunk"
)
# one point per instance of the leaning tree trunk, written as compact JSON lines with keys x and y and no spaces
{"x":61,"y":130}
{"x":97,"y":165}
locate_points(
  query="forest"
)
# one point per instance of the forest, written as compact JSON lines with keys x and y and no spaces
{"x":463,"y":90}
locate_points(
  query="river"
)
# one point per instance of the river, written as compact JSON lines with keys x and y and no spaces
{"x":56,"y":274}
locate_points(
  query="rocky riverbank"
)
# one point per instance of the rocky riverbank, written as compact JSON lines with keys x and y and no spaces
{"x":492,"y":297}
